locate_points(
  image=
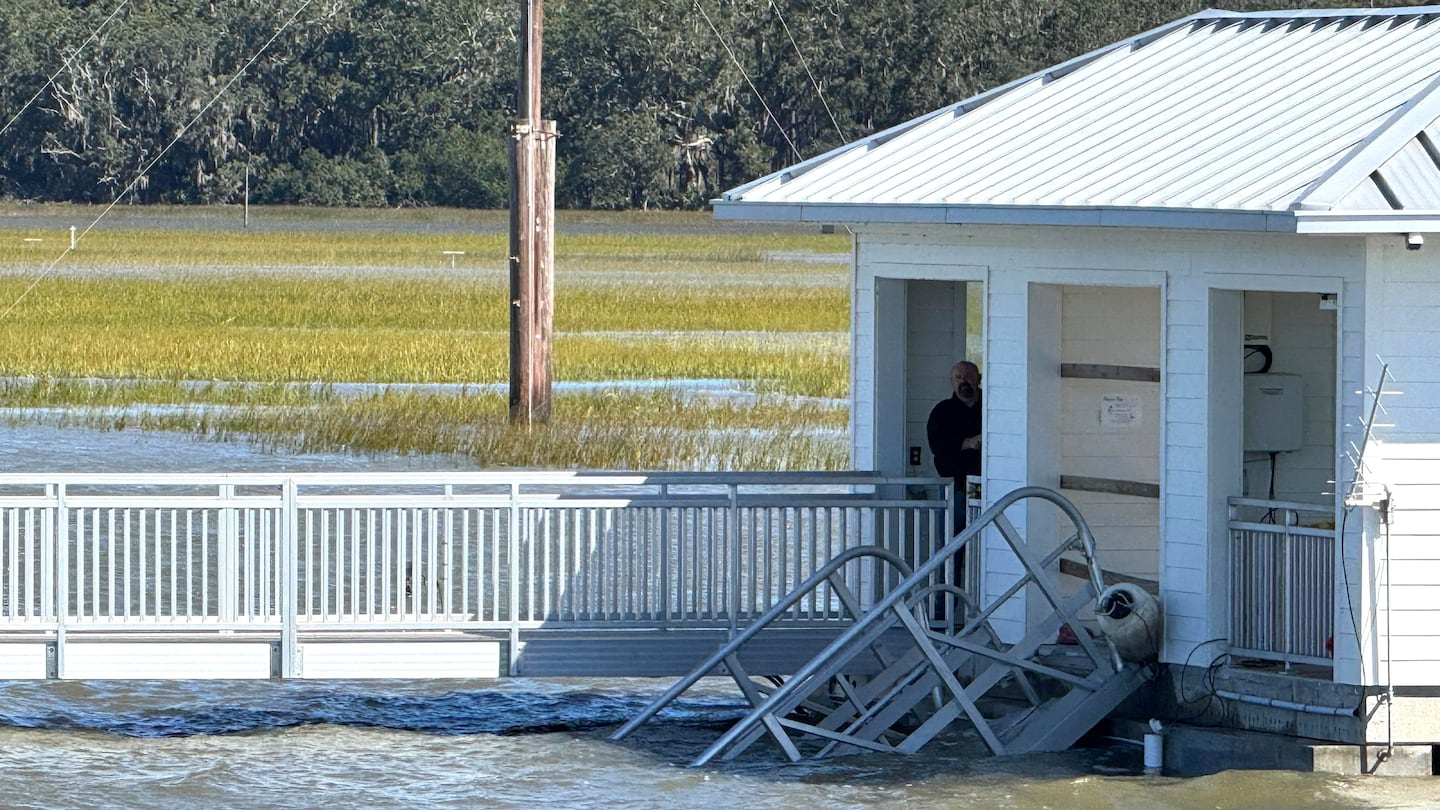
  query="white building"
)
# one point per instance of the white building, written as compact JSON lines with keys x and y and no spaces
{"x":1124,"y":243}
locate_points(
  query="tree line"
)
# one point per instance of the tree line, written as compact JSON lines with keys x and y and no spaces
{"x":659,"y":103}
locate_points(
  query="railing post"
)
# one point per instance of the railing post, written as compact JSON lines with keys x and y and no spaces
{"x":664,"y":512}
{"x":732,"y":536}
{"x":289,"y":581}
{"x":229,"y":563}
{"x":514,"y":565}
{"x":58,"y":578}
{"x":1231,"y":565}
{"x":1290,"y":518}
{"x":447,"y":544}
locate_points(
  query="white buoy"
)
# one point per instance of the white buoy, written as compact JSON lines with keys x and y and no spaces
{"x":1130,"y":617}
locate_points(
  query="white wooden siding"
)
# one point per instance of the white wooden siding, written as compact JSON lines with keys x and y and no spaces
{"x":1187,"y":267}
{"x":1006,"y":430}
{"x":1189,"y":561}
{"x":1410,"y":607}
{"x":862,"y":369}
{"x":1113,"y":326}
{"x":1407,"y":332}
{"x":1403,"y":330}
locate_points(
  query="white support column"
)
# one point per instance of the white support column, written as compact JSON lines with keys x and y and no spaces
{"x":1042,"y":421}
{"x":1006,"y":453}
{"x":1224,"y":471}
{"x":888,"y":391}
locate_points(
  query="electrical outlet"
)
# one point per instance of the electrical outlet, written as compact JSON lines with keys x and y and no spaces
{"x":914,"y":456}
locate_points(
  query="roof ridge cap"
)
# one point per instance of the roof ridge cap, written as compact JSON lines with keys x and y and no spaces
{"x":1323,"y":13}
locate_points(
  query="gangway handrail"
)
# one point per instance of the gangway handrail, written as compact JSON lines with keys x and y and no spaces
{"x":888,"y":602}
{"x":765,"y":619}
{"x":894,"y":600}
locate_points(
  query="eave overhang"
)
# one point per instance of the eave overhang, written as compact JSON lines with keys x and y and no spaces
{"x":1314,"y":222}
{"x":1077,"y":216}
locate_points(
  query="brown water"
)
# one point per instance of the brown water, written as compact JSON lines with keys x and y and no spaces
{"x":506,"y":743}
{"x":523,"y":743}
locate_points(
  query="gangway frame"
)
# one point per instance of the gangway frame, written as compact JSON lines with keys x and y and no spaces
{"x":727,"y":658}
{"x":943,"y":673}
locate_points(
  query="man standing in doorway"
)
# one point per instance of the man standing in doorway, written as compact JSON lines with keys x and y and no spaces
{"x":954,"y":432}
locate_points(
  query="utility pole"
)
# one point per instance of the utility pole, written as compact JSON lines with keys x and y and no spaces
{"x":532,"y":233}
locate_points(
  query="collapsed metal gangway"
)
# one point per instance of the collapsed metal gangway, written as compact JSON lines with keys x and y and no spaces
{"x":896,"y":678}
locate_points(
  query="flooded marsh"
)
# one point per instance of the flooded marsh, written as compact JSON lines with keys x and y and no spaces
{"x":177,"y":320}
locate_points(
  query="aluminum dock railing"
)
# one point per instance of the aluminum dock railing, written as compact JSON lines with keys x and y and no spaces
{"x":316,"y":575}
{"x":1282,"y":581}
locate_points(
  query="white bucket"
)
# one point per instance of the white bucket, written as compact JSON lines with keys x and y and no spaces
{"x":1130,"y":617}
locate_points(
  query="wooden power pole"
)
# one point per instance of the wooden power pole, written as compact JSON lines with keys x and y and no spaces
{"x":532,"y":233}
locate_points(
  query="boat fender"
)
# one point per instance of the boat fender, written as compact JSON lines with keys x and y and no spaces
{"x":1130,"y":617}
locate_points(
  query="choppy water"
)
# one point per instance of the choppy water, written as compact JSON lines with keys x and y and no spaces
{"x":508,"y":743}
{"x":523,"y":743}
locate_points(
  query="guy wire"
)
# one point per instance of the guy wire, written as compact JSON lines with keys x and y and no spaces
{"x":63,"y":66}
{"x":806,"y":64}
{"x":144,"y":170}
{"x":748,"y":81}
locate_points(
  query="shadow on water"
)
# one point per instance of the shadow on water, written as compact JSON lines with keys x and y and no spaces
{"x":152,"y":709}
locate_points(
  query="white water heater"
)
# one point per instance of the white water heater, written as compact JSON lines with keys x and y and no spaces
{"x":1274,"y":413}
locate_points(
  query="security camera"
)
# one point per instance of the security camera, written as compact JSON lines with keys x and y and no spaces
{"x":1414,"y":241}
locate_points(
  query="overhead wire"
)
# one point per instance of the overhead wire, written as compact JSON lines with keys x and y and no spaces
{"x":746,"y":75}
{"x":761,"y":98}
{"x":161,"y":154}
{"x":64,"y":65}
{"x":805,"y":63}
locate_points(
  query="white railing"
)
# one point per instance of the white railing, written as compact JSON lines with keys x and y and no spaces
{"x":1282,"y":581}
{"x":314,"y":552}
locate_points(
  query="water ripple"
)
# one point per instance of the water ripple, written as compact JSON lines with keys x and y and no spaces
{"x":151,"y":709}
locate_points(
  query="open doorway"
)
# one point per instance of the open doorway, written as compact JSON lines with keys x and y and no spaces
{"x":1288,"y":398}
{"x":944,"y":325}
{"x":1280,"y":537}
{"x":922,"y":328}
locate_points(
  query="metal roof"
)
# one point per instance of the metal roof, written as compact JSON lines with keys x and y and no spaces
{"x":1293,"y":121}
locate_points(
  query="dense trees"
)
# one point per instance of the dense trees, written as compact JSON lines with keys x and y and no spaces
{"x":408,"y":102}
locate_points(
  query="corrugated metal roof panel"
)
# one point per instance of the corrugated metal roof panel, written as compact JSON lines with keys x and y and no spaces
{"x":1365,"y":197}
{"x":1413,"y":178}
{"x":1219,"y":112}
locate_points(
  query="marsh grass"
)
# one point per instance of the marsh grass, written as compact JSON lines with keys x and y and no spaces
{"x":53,"y":393}
{"x":642,"y":431}
{"x":415,"y":303}
{"x":635,"y":240}
{"x":812,"y":366}
{"x":136,"y":313}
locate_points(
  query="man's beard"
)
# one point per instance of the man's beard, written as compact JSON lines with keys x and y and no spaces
{"x":966,"y":391}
